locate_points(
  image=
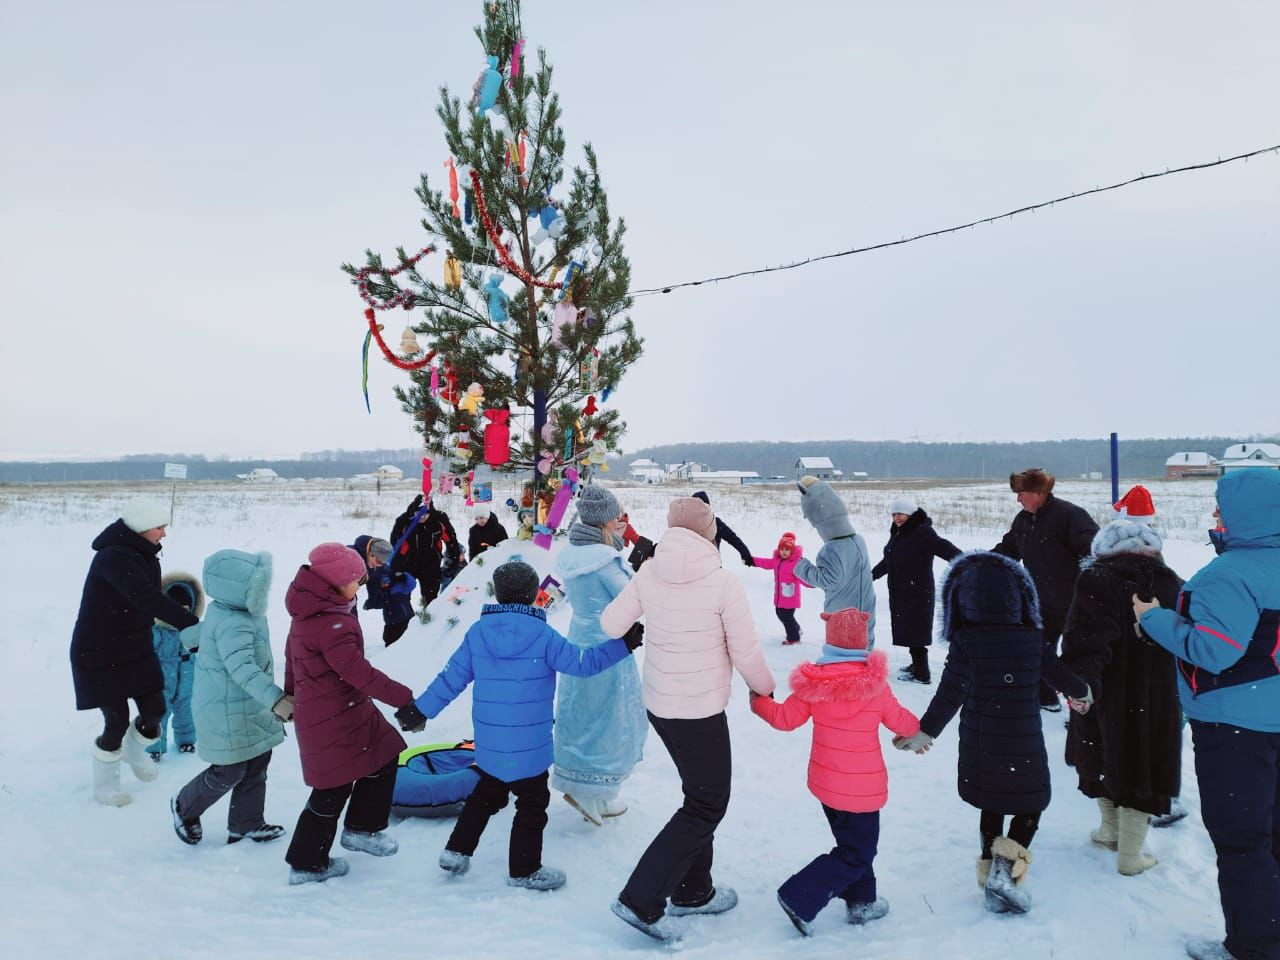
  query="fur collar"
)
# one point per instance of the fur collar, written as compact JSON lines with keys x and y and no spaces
{"x":839,"y":682}
{"x":179,"y":576}
{"x":951,"y":617}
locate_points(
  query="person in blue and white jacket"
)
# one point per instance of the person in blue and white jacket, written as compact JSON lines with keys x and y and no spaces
{"x":1225,"y":634}
{"x":178,"y":665}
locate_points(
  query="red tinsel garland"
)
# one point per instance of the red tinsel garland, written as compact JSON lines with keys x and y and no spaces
{"x":507,"y":261}
{"x":404,"y":298}
{"x":386,"y":351}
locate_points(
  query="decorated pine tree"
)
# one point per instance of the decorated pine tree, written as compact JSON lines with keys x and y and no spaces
{"x":520,"y":292}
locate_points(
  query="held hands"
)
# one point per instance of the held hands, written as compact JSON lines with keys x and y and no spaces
{"x":1140,"y":607}
{"x":410,"y":718}
{"x":748,"y":560}
{"x":920,"y":743}
{"x":752,"y":696}
{"x":1081,"y":706}
{"x":634,"y":638}
{"x":284,"y":708}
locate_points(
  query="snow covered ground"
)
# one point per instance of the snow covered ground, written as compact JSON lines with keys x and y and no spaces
{"x":81,"y":880}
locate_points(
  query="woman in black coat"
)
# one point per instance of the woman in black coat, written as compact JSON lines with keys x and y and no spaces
{"x":908,"y":562}
{"x":112,"y":656}
{"x":1127,"y":750}
{"x":428,"y":538}
{"x":991,"y":618}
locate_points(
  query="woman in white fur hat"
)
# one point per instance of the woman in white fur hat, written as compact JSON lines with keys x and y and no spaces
{"x":112,"y":657}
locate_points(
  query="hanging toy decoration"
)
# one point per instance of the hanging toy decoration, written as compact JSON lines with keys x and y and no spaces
{"x":472,"y":399}
{"x":589,"y":373}
{"x":545,"y":461}
{"x":450,"y":392}
{"x":409,"y":345}
{"x":516,"y":50}
{"x":426,"y":477}
{"x":568,"y":445}
{"x":435,"y":380}
{"x":563,"y":320}
{"x":498,"y":300}
{"x":375,"y":330}
{"x":591,"y":407}
{"x":552,"y":223}
{"x":402,"y":298}
{"x":570,"y":275}
{"x":466,"y":487}
{"x":558,"y":508}
{"x":453,"y":187}
{"x":486,"y":88}
{"x":464,"y":179}
{"x":462,"y":447}
{"x":497,"y":437}
{"x":494,"y":236}
{"x":452,"y":272}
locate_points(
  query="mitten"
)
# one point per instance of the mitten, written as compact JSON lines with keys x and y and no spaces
{"x":634,"y":638}
{"x":410,"y":718}
{"x":1082,"y":706}
{"x":284,"y":708}
{"x":919,"y":743}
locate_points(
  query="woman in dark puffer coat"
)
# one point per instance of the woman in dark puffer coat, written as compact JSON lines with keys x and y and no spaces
{"x":1127,"y":750}
{"x":348,"y":749}
{"x":991,"y":618}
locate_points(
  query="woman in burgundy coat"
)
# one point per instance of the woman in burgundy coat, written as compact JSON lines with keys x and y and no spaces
{"x":348,"y":750}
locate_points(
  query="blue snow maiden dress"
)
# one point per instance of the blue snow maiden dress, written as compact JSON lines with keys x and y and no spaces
{"x":600,"y":721}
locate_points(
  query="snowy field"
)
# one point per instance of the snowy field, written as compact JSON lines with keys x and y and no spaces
{"x":82,"y":880}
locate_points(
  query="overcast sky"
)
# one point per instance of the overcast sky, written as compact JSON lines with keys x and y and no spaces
{"x":180,"y":180}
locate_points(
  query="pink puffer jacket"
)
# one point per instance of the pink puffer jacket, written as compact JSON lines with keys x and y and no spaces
{"x":698,"y":629}
{"x":848,"y":703}
{"x":786,"y":585}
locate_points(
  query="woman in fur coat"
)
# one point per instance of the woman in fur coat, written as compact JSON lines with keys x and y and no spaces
{"x":1127,"y":750}
{"x":847,"y":696}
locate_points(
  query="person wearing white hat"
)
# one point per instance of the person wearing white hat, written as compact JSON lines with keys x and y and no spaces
{"x":486,"y":531}
{"x":112,"y":657}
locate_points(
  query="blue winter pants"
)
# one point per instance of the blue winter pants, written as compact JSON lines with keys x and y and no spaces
{"x":178,"y":685}
{"x":1239,"y":775}
{"x":845,"y":872}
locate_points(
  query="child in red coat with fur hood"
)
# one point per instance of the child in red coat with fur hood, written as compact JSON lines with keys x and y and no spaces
{"x":847,"y":694}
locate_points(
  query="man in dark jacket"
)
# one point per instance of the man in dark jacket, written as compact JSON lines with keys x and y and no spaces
{"x":486,"y":531}
{"x":725,"y":532}
{"x":431,"y":535}
{"x":1050,"y":537}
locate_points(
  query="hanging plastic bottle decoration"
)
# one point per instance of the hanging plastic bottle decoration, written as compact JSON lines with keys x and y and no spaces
{"x":453,"y":186}
{"x":516,"y":51}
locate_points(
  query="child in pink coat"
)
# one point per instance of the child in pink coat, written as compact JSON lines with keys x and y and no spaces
{"x":847,"y":694}
{"x":786,"y":585}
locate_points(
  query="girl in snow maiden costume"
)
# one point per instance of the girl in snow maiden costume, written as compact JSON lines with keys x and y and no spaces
{"x":238,"y":706}
{"x":600,"y":723}
{"x":842,"y":568}
{"x":847,"y":694}
{"x":178,"y":665}
{"x":1224,"y":632}
{"x":513,"y":657}
{"x":112,"y":658}
{"x":991,"y":618}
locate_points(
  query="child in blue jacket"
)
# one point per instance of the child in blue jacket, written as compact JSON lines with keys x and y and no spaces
{"x":178,"y":666}
{"x":513,"y":657}
{"x":389,"y":589}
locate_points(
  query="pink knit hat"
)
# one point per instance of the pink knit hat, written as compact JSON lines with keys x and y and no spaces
{"x":336,"y":564}
{"x":847,"y":629}
{"x":692,"y":514}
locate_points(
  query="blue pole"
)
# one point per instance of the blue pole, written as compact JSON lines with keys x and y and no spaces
{"x":1115,"y":468}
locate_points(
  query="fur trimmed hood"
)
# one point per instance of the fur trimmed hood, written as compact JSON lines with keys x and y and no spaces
{"x":192,"y":583}
{"x":832,"y":682}
{"x":239,"y":579}
{"x":982,"y":569}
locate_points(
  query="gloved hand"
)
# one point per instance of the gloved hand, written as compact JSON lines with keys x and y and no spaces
{"x":410,"y":718}
{"x":1140,"y":607}
{"x":284,"y":708}
{"x":1081,"y":706}
{"x":634,"y":638}
{"x":753,"y":696}
{"x":748,"y":560}
{"x":920,"y":743}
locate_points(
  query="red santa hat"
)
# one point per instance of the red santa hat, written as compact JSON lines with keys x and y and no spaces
{"x":1136,"y":506}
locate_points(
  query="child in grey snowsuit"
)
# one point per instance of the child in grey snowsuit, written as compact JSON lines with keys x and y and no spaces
{"x":842,"y":568}
{"x":178,"y":666}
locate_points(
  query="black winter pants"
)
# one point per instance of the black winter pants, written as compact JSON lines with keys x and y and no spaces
{"x":115,"y":719}
{"x":490,"y":795}
{"x":920,"y":662}
{"x":677,"y":864}
{"x":368,"y":812}
{"x":1054,"y":621}
{"x":788,"y":617}
{"x":247,"y":782}
{"x":1022,"y":829}
{"x":1239,"y":775}
{"x":845,"y":872}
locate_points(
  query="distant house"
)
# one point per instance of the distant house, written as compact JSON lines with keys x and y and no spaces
{"x":259,"y":473}
{"x":679,"y":472}
{"x":388,"y":472}
{"x":732,"y":477}
{"x":645,"y":470}
{"x":1248,"y":456}
{"x":820,"y":467}
{"x":1189,"y":464}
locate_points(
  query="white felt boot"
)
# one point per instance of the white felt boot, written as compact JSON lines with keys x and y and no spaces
{"x":1130,"y":858}
{"x":135,"y":754}
{"x":106,"y":778}
{"x":1108,"y":833}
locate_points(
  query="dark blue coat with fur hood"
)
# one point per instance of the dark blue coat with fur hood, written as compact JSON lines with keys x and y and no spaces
{"x":991,"y":618}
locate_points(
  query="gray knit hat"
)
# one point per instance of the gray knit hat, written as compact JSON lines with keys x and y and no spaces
{"x":515,"y":582}
{"x":824,"y":509}
{"x":597,"y":506}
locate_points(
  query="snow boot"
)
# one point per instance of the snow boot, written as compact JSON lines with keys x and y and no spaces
{"x":544,"y":878}
{"x":1009,"y":863}
{"x":1130,"y":858}
{"x":1176,"y":812}
{"x":1208,"y":950}
{"x":186,"y":748}
{"x":135,"y":754}
{"x":263,"y":834}
{"x":722,"y":899}
{"x":188,"y":831}
{"x":106,"y":778}
{"x":155,"y":756}
{"x":664,"y":928}
{"x":1108,"y":833}
{"x":590,"y":809}
{"x":337,"y":868}
{"x":984,"y":871}
{"x":860,"y":913}
{"x":804,"y":926}
{"x":375,"y":844}
{"x":612,"y":808}
{"x":453,"y":862}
